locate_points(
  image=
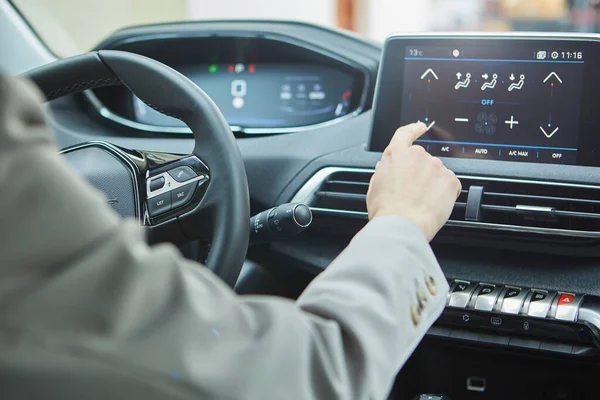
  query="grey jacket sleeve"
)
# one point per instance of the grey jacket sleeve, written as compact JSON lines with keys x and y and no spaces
{"x":75,"y":276}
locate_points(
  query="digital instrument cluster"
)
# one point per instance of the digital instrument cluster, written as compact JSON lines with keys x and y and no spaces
{"x":267,"y":95}
{"x":492,"y":99}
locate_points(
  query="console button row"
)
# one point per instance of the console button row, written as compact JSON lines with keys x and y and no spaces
{"x":514,"y":300}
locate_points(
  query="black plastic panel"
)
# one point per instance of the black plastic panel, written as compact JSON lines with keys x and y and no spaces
{"x":109,"y":175}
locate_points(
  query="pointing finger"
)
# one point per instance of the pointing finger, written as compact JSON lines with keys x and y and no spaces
{"x":406,"y":135}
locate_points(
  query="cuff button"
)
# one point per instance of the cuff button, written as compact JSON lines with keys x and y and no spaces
{"x":421,"y":299}
{"x":431,"y":285}
{"x":415,"y":314}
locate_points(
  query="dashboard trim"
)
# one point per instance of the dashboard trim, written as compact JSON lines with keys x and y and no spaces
{"x":108,"y":114}
{"x":306,"y":192}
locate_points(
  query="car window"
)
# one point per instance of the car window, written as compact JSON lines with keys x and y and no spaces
{"x":74,"y":26}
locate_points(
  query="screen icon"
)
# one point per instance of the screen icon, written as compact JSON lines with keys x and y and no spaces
{"x":239,"y":68}
{"x":491,"y":84}
{"x":518,"y":85}
{"x":462,"y":84}
{"x":429,"y":72}
{"x":541,"y":55}
{"x":486,"y":123}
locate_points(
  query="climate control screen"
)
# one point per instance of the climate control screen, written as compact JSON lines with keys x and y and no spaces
{"x":504,"y":101}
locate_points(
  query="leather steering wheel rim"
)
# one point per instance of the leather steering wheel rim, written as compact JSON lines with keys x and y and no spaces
{"x":223,"y":215}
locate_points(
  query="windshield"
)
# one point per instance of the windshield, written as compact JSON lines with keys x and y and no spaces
{"x":74,"y":26}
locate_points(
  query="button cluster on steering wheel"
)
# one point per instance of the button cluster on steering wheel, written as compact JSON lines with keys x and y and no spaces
{"x":172,"y":189}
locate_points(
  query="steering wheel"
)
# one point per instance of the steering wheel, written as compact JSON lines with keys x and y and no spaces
{"x":199,"y":196}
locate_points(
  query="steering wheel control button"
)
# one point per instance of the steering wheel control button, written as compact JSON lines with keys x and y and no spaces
{"x":159,"y":204}
{"x":539,"y":303}
{"x":567,"y":307}
{"x":512,"y":300}
{"x":157,"y":184}
{"x":461,"y":294}
{"x":181,"y":196}
{"x":487,"y":296}
{"x":182,"y":174}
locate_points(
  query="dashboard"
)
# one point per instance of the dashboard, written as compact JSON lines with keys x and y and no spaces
{"x":513,"y":115}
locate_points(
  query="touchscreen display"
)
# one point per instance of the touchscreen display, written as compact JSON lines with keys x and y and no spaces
{"x":508,"y":100}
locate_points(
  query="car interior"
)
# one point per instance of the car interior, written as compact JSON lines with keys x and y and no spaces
{"x":270,"y":166}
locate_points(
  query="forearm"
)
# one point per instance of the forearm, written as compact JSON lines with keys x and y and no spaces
{"x":369,"y":291}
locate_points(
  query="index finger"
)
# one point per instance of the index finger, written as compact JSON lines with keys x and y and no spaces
{"x":406,"y":135}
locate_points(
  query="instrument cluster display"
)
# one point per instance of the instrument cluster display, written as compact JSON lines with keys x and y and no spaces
{"x":267,"y":95}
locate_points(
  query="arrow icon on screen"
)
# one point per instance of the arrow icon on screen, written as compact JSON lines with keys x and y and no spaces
{"x":550,"y":75}
{"x":549,"y":135}
{"x":429,"y":71}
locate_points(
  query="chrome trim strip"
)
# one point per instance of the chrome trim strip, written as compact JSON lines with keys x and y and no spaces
{"x":534,"y":209}
{"x":115,"y":151}
{"x":307,"y":191}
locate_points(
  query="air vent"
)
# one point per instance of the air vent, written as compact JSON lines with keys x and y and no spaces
{"x":490,"y":203}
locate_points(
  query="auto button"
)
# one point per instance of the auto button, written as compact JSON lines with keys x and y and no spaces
{"x":183,"y":194}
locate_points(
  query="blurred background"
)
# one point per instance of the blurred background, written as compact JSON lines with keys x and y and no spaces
{"x":75,"y":26}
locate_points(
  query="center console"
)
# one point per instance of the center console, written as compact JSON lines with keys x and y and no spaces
{"x":514,"y":116}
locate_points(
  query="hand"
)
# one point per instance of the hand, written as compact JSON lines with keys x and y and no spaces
{"x":411,"y":183}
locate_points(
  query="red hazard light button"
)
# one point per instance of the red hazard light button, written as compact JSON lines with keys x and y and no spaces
{"x":566,"y":298}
